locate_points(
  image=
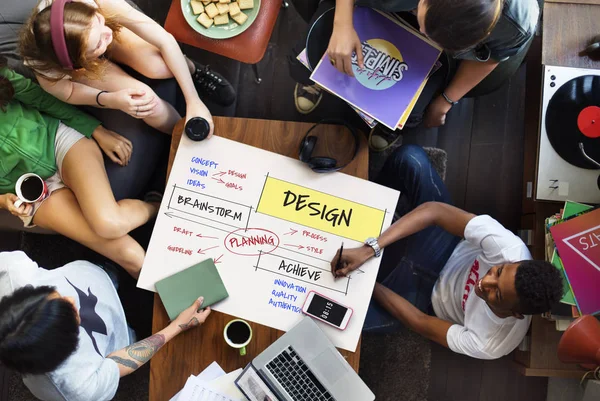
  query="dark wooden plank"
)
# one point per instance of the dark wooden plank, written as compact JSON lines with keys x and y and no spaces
{"x":496,"y":162}
{"x":438,"y":374}
{"x":533,"y":94}
{"x":4,"y":379}
{"x":463,"y":377}
{"x":499,"y":374}
{"x":455,"y":138}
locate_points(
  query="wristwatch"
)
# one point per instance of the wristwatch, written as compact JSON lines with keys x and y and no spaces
{"x":372,"y":242}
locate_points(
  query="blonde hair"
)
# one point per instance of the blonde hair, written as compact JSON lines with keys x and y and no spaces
{"x":36,"y":48}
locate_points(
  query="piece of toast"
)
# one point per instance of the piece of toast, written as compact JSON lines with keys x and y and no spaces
{"x":246,"y":4}
{"x":225,"y":1}
{"x":223,"y":8}
{"x":234,"y":9}
{"x":222,"y":19}
{"x":211,"y":10}
{"x":205,"y":20}
{"x":240,"y":18}
{"x":197,"y":7}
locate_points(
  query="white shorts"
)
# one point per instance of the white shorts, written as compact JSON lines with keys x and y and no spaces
{"x":65,"y":138}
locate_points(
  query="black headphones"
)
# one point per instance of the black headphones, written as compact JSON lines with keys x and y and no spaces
{"x":324,"y":164}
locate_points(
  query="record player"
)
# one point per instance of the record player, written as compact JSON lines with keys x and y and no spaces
{"x":569,"y":149}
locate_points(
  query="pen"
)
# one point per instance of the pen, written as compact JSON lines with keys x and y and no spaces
{"x":338,"y":265}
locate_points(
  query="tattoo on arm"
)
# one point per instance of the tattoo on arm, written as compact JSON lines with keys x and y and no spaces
{"x":125,"y":362}
{"x":143,"y":350}
{"x":192,"y":323}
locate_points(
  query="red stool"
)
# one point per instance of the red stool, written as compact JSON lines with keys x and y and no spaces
{"x":248,"y":47}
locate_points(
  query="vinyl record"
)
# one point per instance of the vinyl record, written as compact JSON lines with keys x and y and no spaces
{"x":573,"y":121}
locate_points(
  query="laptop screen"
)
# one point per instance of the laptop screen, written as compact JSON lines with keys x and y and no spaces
{"x":253,"y":387}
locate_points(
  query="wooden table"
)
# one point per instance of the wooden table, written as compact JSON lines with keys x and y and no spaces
{"x":568,"y":26}
{"x":192,"y":351}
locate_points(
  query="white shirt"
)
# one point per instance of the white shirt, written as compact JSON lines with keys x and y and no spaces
{"x":477,"y":331}
{"x":86,"y":374}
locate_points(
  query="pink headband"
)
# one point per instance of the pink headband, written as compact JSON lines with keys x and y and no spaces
{"x":57,"y":33}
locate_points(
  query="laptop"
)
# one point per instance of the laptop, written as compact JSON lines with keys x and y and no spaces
{"x":302,"y":365}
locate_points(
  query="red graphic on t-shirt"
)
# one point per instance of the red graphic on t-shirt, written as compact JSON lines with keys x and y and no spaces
{"x":471,"y":281}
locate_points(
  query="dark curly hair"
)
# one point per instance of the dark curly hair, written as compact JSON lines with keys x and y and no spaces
{"x":37,"y":334}
{"x":539,"y":286}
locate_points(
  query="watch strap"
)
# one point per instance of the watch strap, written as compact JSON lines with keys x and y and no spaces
{"x":452,"y":102}
{"x":372,"y":242}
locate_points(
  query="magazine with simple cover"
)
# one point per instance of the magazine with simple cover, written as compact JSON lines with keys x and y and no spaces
{"x":397,"y":62}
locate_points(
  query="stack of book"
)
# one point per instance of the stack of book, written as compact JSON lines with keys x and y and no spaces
{"x":398,"y":61}
{"x":573,"y":247}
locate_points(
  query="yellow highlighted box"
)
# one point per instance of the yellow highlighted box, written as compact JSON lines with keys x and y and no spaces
{"x":319,"y":210}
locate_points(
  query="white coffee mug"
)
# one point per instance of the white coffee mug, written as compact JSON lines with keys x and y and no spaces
{"x":240,"y":344}
{"x":28,"y":197}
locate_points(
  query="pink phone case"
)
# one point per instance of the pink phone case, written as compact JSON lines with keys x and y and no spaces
{"x":325,"y":321}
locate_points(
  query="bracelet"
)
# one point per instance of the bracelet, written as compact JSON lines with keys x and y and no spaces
{"x":452,"y":102}
{"x":98,"y":97}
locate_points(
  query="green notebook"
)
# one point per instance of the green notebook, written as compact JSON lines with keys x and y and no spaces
{"x":180,"y":290}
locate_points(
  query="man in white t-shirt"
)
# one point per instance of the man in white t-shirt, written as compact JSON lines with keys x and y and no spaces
{"x":64,"y":330}
{"x":483,"y":288}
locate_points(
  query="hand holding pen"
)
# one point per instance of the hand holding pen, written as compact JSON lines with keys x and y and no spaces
{"x":346,"y":261}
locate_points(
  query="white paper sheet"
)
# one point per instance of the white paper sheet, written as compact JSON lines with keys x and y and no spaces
{"x":272,"y":227}
{"x":226,"y":385}
{"x":195,"y":386}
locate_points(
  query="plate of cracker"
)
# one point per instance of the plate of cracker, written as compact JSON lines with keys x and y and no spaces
{"x":220,"y":19}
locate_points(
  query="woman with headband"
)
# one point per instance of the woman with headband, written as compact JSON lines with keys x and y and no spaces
{"x":74,"y":47}
{"x":481,"y":34}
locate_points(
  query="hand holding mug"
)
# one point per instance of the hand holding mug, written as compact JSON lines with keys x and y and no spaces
{"x":30,"y":188}
{"x":9,"y":202}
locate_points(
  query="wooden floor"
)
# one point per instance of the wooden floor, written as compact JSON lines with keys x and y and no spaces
{"x":484,"y":141}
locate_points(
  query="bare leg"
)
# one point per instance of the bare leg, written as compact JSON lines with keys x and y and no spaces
{"x":61,"y":213}
{"x":83,"y":171}
{"x":114,"y":79}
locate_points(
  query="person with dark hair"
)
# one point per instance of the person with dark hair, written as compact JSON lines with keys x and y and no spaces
{"x":65,"y":332}
{"x":471,"y":272}
{"x":482,"y":34}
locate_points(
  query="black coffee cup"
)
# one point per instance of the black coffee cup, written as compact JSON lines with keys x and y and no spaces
{"x":237,"y":334}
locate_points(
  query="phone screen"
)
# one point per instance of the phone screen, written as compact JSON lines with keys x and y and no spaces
{"x":327,"y":310}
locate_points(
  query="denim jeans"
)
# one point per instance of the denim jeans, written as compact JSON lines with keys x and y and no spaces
{"x":411,"y":266}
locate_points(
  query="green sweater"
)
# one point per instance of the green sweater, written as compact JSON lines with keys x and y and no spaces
{"x":28,"y":128}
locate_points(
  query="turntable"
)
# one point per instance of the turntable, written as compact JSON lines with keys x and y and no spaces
{"x":569,"y":151}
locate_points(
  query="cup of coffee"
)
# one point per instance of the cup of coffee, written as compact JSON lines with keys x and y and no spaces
{"x":30,"y":188}
{"x":238,"y":334}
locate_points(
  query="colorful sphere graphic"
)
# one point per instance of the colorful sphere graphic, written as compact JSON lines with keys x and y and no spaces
{"x":377,"y":81}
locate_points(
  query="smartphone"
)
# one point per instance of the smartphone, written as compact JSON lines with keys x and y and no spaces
{"x":327,"y":310}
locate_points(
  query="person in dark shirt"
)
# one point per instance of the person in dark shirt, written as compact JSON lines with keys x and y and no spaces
{"x":482,"y":34}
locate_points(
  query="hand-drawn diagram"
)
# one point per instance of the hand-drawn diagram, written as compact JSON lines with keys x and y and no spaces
{"x":272,"y":227}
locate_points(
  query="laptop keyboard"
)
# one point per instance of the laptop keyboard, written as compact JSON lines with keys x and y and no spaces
{"x":296,"y":378}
